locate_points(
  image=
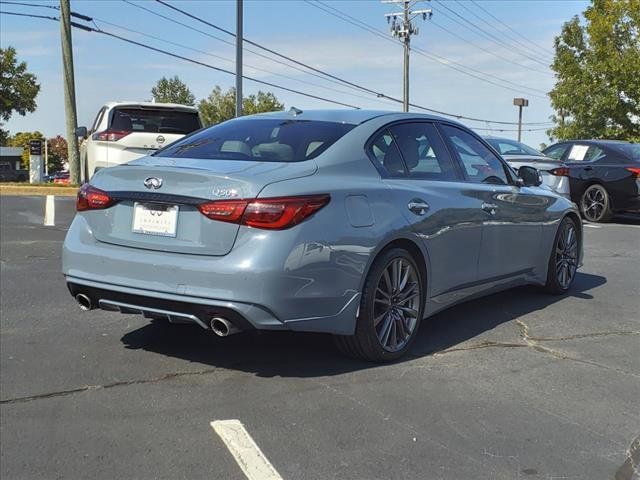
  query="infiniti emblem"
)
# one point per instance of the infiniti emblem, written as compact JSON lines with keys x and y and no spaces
{"x":153,"y":183}
{"x":160,"y":139}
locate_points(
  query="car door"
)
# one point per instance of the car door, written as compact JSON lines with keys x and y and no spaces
{"x":427,"y":184}
{"x":512,"y":215}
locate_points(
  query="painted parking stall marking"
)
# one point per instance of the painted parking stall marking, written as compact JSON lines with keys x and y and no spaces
{"x":244,"y":449}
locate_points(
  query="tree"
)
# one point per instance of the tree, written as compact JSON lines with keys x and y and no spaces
{"x":21,"y":139}
{"x":58,"y":153}
{"x":597,"y":93}
{"x":173,"y":90}
{"x":18,"y":88}
{"x":220,"y":106}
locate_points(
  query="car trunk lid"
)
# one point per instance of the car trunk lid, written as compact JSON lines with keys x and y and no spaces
{"x":184,"y":183}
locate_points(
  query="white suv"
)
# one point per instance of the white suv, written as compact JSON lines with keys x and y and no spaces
{"x":124,"y":131}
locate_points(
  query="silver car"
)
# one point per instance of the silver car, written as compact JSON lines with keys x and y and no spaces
{"x":553,"y":173}
{"x":355,"y":223}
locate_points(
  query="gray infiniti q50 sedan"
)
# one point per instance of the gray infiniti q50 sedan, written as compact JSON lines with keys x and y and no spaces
{"x":355,"y":223}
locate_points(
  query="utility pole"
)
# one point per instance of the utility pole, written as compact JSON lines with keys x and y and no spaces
{"x":238,"y":58}
{"x":520,"y":102}
{"x":69,"y":92}
{"x":403,"y":29}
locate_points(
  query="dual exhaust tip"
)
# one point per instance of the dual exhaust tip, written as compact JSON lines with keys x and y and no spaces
{"x":220,"y":326}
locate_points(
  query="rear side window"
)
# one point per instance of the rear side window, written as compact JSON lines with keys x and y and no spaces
{"x":423,"y":151}
{"x":629,"y":150}
{"x":479,"y":163}
{"x":158,"y":120}
{"x":259,"y":139}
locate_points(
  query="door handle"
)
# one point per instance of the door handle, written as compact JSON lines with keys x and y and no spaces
{"x":418,"y":206}
{"x":588,"y":169}
{"x":490,"y":208}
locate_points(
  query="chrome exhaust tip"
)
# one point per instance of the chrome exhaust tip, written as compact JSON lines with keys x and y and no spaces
{"x":84,"y":301}
{"x":223,"y":327}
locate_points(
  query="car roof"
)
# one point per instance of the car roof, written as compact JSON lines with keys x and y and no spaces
{"x":597,"y":142}
{"x":173,"y":106}
{"x":352,"y":116}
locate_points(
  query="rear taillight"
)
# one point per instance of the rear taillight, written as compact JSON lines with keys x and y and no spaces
{"x":92,"y":198}
{"x":110,"y":135}
{"x":560,"y":172}
{"x":635,"y":171}
{"x":267,"y":213}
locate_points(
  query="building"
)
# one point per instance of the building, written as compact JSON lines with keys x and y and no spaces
{"x":12,"y":155}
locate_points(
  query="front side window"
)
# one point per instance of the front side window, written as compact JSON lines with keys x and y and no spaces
{"x":479,"y":163}
{"x":260,"y":140}
{"x":98,"y":119}
{"x":423,"y":151}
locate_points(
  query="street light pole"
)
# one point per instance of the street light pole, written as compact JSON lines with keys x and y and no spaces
{"x":238,"y":58}
{"x":520,"y":102}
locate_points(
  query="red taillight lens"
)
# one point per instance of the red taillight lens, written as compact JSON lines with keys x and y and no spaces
{"x":224,"y":210}
{"x":635,"y":171}
{"x":110,"y":135}
{"x":560,"y":172}
{"x":266,"y":213}
{"x":92,"y":198}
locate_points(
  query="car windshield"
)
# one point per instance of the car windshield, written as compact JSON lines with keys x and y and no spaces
{"x":154,"y":120}
{"x":511,"y":147}
{"x":631,"y":150}
{"x":259,"y":139}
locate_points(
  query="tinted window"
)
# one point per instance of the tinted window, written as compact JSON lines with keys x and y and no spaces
{"x":259,"y":139}
{"x":423,"y":151}
{"x":629,"y":150}
{"x":387,"y":154}
{"x":479,"y":163}
{"x":511,"y":147}
{"x":556,"y":151}
{"x":159,"y":120}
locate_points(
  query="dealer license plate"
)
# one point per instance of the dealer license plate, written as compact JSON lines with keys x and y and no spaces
{"x":152,"y":219}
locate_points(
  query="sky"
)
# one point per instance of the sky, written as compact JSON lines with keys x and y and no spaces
{"x":107,"y":69}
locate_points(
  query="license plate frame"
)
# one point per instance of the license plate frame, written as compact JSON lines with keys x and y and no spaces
{"x":147,"y":219}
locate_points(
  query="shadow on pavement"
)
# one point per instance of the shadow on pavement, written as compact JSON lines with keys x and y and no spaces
{"x":289,"y":354}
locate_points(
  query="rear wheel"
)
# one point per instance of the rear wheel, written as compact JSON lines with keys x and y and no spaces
{"x":595,"y":204}
{"x":563,"y":262}
{"x":390,"y":309}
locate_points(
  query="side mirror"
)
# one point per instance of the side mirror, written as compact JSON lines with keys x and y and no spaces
{"x":81,"y":132}
{"x":529,"y":176}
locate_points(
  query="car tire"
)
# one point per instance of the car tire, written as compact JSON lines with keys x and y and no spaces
{"x":564,"y":257}
{"x":595,"y":204}
{"x":391,"y":309}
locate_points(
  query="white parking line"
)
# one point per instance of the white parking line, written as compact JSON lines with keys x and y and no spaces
{"x":244,"y":449}
{"x":50,"y":211}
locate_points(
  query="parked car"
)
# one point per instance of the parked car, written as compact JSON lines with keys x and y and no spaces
{"x":351,"y":222}
{"x":51,"y":178}
{"x":604,"y":175}
{"x":519,"y":154}
{"x":62,"y":178}
{"x":124,"y":131}
{"x":8,"y":173}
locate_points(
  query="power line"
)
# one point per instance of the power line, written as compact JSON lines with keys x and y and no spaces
{"x":379,"y":33}
{"x":432,"y":56}
{"x":541,"y":48}
{"x":197,"y":62}
{"x":29,"y":15}
{"x":482,"y":31}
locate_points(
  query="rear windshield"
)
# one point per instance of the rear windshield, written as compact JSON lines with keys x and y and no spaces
{"x":159,"y":120}
{"x":259,"y":139}
{"x":511,"y":147}
{"x":630,"y":150}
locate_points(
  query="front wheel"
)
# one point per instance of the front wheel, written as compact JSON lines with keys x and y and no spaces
{"x":390,"y":309}
{"x":595,"y":204}
{"x":563,"y":261}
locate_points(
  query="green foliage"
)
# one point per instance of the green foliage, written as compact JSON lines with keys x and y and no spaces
{"x":173,"y":90}
{"x":597,"y":94}
{"x":220,"y":106}
{"x":18,"y":88}
{"x":21,"y":139}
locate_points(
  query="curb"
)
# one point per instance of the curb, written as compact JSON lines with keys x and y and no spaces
{"x":38,"y":190}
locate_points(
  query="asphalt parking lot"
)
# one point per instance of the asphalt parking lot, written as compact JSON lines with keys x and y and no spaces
{"x":518,"y":385}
